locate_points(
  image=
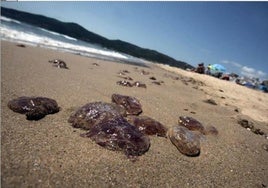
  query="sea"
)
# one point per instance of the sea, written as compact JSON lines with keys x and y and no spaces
{"x":22,"y":33}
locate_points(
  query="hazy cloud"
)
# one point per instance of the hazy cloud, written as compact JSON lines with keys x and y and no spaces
{"x":232,"y":63}
{"x":245,"y":70}
{"x":248,"y":70}
{"x":262,"y":74}
{"x":251,"y":72}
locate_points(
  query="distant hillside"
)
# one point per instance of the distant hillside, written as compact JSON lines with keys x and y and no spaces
{"x":76,"y":31}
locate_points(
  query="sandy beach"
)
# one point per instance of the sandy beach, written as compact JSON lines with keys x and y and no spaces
{"x":51,"y":153}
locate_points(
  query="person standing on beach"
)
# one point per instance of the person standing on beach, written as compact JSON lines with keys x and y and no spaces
{"x":209,"y":69}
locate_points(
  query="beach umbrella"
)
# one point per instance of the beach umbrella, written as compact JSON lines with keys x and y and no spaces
{"x":218,"y":68}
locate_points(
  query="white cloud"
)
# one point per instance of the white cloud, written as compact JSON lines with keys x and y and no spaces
{"x":248,"y":70}
{"x":231,"y":63}
{"x":251,"y":72}
{"x":245,"y":70}
{"x":262,"y":74}
{"x":225,"y":61}
{"x":237,"y":64}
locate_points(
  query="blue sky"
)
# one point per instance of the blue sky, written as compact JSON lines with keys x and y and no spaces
{"x":234,"y":34}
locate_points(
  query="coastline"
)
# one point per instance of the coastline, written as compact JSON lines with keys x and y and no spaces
{"x":50,"y":153}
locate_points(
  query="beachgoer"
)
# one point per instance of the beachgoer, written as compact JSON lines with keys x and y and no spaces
{"x":208,"y":69}
{"x":225,"y":77}
{"x":200,"y":69}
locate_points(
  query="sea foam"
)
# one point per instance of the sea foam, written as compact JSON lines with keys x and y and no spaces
{"x":9,"y":20}
{"x":58,"y":34}
{"x":34,"y":39}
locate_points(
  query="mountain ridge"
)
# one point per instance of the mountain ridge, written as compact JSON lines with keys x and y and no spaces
{"x":79,"y":32}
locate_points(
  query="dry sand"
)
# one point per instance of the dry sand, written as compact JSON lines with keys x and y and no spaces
{"x":50,"y":153}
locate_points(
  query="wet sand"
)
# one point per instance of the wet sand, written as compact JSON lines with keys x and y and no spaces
{"x":51,"y":153}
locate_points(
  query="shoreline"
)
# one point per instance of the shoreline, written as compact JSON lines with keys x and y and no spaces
{"x":51,"y":153}
{"x":138,"y":62}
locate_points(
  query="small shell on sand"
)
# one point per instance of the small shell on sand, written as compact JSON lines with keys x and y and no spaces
{"x":34,"y":108}
{"x":148,"y":125}
{"x":124,"y":83}
{"x":94,"y":113}
{"x":131,"y":104}
{"x":210,"y":101}
{"x":128,"y":84}
{"x":187,"y":142}
{"x":139,"y":84}
{"x":117,"y":134}
{"x":58,"y":63}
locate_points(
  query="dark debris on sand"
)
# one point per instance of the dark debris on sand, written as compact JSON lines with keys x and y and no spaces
{"x":34,"y":108}
{"x":250,"y":126}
